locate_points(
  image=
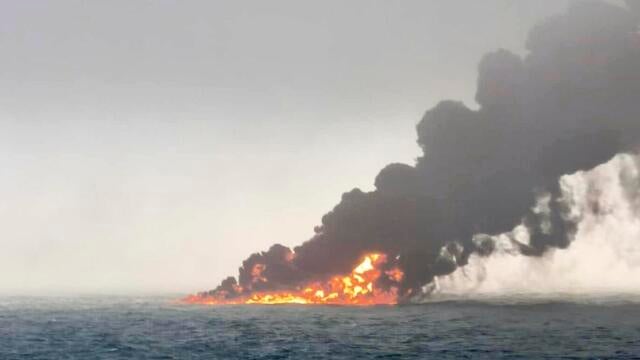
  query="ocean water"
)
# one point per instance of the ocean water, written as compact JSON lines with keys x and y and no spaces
{"x":158,"y":328}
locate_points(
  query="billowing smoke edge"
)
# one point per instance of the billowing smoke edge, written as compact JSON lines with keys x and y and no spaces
{"x":570,"y":104}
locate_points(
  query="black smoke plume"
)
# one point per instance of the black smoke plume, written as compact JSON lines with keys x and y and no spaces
{"x":573,"y":102}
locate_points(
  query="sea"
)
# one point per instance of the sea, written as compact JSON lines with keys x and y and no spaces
{"x":158,"y":327}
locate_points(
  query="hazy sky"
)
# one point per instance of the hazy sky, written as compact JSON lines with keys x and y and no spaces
{"x":150,"y":146}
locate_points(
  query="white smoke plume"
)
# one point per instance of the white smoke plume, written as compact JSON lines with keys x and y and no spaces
{"x":603,"y":258}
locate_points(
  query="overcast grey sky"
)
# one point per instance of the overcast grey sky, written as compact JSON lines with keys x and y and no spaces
{"x":150,"y":146}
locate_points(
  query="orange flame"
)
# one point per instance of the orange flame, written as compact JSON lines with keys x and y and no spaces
{"x":356,"y":288}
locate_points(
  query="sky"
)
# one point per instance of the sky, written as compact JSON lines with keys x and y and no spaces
{"x":150,"y":146}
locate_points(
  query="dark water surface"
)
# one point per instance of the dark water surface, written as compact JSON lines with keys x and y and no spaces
{"x":154,"y":328}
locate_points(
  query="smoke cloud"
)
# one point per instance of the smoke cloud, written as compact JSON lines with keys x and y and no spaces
{"x":570,"y":104}
{"x":604,"y":257}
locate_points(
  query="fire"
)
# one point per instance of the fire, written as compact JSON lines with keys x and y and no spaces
{"x":356,"y":288}
{"x":395,"y":274}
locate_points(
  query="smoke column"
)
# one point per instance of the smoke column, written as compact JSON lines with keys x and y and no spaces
{"x":569,"y":105}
